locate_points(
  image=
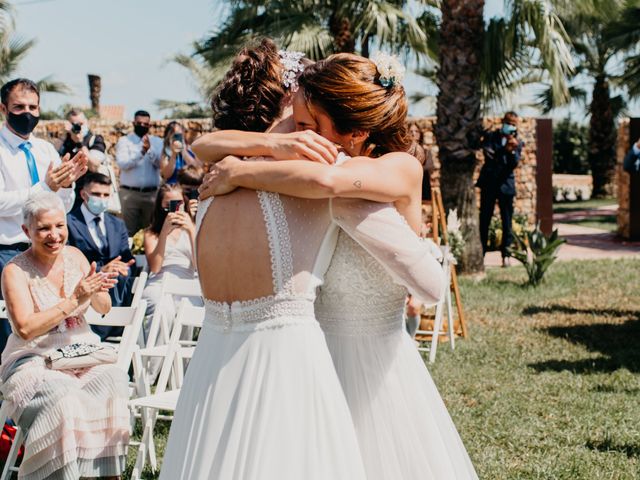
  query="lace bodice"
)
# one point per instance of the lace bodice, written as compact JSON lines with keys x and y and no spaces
{"x":293,"y":255}
{"x":358,"y":297}
{"x":367,"y":282}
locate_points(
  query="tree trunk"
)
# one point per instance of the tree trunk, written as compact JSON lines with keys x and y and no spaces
{"x":95,"y":89}
{"x":459,"y":121}
{"x":342,"y":30}
{"x":602,"y":139}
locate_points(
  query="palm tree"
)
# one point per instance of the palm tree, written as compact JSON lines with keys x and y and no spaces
{"x":318,"y":27}
{"x":597,"y":30}
{"x":477,"y":60}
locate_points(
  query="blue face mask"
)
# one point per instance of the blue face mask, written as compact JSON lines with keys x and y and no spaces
{"x":508,"y":129}
{"x":97,"y":205}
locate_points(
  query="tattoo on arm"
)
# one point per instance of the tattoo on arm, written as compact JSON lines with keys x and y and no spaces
{"x":357,"y":184}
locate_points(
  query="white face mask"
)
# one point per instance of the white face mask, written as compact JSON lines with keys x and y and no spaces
{"x":97,"y":205}
{"x":84,"y":130}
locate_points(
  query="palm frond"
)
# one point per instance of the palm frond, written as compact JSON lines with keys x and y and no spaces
{"x":537,"y":19}
{"x":49,"y":85}
{"x":546,"y":101}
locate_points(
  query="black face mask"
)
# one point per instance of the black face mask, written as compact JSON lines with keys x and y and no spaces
{"x":22,"y":123}
{"x":140,"y":130}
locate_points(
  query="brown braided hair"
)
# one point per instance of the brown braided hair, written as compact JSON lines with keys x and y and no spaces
{"x":250,"y":96}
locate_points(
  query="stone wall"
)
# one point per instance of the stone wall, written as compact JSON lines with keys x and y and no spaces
{"x":622,"y":147}
{"x":113,"y":130}
{"x":525,"y":172}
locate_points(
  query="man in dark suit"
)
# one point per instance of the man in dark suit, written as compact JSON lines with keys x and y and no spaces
{"x":502,"y":151}
{"x":103,"y":239}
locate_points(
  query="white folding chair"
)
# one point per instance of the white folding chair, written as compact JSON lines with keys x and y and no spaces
{"x":170,"y":287}
{"x":131,"y":319}
{"x":443,"y":302}
{"x":138,"y":287}
{"x":188,"y":317}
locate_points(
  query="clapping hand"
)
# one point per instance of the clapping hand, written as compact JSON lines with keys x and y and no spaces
{"x":67,"y":172}
{"x":94,"y":282}
{"x":146,"y":144}
{"x":217,"y":181}
{"x":118,"y":266}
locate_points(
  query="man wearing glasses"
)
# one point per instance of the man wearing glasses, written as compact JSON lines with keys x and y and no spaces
{"x":138,"y":156}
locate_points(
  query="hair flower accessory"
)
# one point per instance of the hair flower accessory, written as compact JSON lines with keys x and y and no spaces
{"x":292,"y":64}
{"x":390,"y":69}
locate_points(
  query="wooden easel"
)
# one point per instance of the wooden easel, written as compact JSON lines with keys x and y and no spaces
{"x":439,"y":230}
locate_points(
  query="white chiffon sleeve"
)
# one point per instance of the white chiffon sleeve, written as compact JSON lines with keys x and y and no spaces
{"x":385,"y":234}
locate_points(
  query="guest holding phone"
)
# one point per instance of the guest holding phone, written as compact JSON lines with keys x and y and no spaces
{"x":175,"y":154}
{"x":190,"y":178}
{"x":168,"y":244}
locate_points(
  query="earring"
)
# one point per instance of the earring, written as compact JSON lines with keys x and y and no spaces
{"x":351,"y":144}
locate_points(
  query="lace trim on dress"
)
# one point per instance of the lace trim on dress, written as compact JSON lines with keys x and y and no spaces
{"x":279,"y":242}
{"x":259,"y":313}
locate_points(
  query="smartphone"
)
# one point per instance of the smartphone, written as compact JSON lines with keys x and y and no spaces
{"x":174,"y":205}
{"x":178,"y":137}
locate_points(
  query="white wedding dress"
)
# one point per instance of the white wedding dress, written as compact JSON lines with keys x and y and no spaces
{"x":403,"y":427}
{"x":261,"y":399}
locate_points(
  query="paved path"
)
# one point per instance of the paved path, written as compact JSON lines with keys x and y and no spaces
{"x":582,"y":242}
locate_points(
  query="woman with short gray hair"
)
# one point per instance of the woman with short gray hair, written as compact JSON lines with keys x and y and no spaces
{"x":76,"y":418}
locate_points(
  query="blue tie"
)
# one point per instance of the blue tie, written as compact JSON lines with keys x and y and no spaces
{"x":31,"y":162}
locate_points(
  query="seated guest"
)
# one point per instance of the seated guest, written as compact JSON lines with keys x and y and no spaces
{"x":168,"y":244}
{"x":190,"y":178}
{"x":77,"y":420}
{"x":103,"y":239}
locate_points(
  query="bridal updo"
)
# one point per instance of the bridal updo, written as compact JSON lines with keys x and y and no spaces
{"x":250,"y":96}
{"x":348,"y":89}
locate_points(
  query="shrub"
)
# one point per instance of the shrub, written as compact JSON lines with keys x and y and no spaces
{"x":518,"y":224}
{"x":536,"y":252}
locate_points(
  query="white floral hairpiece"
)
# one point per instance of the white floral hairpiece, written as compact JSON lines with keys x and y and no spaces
{"x":390,"y":69}
{"x":291,"y":62}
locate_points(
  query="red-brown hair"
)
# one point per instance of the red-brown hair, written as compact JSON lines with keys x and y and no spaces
{"x":347,"y":88}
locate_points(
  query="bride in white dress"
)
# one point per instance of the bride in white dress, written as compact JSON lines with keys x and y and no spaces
{"x":261,"y":399}
{"x":403,"y":427}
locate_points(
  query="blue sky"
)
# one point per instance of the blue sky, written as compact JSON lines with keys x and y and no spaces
{"x":126,"y":42}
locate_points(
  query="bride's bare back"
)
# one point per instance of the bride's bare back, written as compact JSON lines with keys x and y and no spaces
{"x":233,"y":249}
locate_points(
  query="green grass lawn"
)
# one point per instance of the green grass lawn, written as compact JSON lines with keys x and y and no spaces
{"x":547,"y":385}
{"x":603,"y":222}
{"x":565,"y":207}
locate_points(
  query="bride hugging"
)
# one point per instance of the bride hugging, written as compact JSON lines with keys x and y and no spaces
{"x":261,"y":399}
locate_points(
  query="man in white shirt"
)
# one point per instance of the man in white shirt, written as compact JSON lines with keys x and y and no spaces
{"x":27,"y":165}
{"x":138,"y":156}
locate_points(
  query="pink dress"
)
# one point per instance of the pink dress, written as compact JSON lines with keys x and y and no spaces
{"x":77,"y":421}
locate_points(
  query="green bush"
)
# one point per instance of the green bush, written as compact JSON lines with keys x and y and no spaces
{"x":570,"y":148}
{"x":536,"y":252}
